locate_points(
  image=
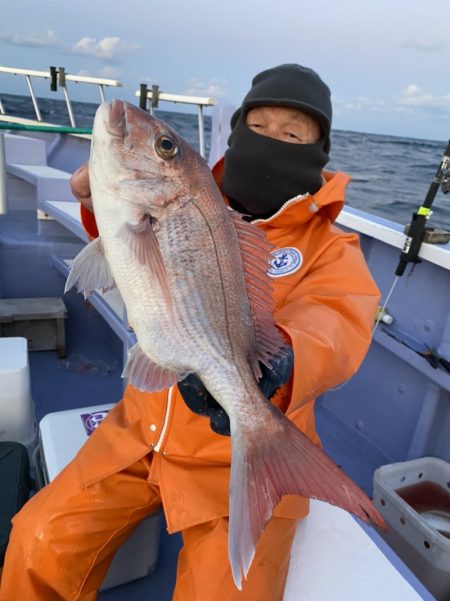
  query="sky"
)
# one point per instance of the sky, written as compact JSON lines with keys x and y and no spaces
{"x":387,"y":62}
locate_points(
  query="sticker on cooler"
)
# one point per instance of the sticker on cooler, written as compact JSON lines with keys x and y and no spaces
{"x":91,"y":421}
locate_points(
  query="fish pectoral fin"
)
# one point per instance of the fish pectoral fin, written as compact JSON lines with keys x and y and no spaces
{"x":142,"y":241}
{"x":145,"y":375}
{"x":255,"y":253}
{"x":277,"y":461}
{"x":90,"y":270}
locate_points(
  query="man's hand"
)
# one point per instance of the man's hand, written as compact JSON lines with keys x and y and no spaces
{"x":200,"y":401}
{"x":81,"y":188}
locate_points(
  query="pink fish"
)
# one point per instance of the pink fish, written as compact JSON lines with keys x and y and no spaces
{"x":193,"y":277}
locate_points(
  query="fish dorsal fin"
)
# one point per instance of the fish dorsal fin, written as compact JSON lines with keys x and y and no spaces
{"x":255,"y":252}
{"x":145,"y":375}
{"x":90,"y":270}
{"x":143,"y":243}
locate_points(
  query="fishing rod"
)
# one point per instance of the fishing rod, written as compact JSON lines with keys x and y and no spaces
{"x":417,"y":230}
{"x":416,"y":233}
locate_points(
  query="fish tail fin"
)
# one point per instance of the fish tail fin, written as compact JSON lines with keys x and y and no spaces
{"x":276,"y":461}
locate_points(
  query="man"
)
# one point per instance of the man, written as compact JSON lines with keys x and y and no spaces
{"x":171,"y":447}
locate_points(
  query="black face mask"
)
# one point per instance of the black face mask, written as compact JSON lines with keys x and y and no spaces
{"x":262,"y":173}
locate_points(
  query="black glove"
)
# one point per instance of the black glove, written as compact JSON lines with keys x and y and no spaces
{"x":200,"y":401}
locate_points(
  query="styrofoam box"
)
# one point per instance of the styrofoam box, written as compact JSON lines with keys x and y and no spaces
{"x":61,"y":434}
{"x":17,"y":413}
{"x":423,"y":548}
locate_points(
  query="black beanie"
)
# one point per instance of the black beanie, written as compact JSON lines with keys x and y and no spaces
{"x":262,"y":173}
{"x":294,"y":86}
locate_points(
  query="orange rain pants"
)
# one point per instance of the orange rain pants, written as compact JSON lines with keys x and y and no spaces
{"x":99,"y":519}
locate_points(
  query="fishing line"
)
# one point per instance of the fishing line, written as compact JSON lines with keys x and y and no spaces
{"x":382,"y":311}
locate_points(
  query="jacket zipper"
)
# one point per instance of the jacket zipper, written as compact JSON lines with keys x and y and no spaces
{"x":281,"y":209}
{"x":158,"y":445}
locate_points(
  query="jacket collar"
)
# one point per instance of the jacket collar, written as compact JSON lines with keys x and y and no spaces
{"x":328,"y":200}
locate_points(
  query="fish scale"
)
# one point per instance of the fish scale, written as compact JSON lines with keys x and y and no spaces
{"x":198,"y":291}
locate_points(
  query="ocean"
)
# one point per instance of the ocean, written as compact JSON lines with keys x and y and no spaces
{"x":390,"y":175}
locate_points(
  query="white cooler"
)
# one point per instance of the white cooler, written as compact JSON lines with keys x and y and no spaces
{"x":415,"y":536}
{"x":61,"y":435}
{"x":17,"y":416}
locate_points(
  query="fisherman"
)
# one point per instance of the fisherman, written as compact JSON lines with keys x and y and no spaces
{"x":172,"y":448}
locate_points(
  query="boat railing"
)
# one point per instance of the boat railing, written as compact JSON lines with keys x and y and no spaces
{"x":27,"y":127}
{"x":148,"y":98}
{"x":151,"y":97}
{"x":58,"y":76}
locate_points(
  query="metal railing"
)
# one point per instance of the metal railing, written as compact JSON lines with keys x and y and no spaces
{"x":154,"y":96}
{"x":58,"y":77}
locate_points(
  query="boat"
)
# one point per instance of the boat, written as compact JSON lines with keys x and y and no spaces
{"x":395,"y":409}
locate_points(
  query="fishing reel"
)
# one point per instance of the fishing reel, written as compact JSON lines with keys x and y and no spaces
{"x":443,"y":174}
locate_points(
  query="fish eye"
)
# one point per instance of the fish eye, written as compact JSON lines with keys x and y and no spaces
{"x":165,"y":147}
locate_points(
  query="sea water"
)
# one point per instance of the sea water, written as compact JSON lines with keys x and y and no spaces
{"x":390,"y":175}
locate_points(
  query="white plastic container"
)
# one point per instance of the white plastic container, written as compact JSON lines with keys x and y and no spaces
{"x":17,"y":416}
{"x":61,"y":434}
{"x":412,"y":536}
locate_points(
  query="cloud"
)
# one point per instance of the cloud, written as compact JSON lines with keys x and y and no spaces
{"x":109,"y":48}
{"x":414,"y":97}
{"x":437,"y":47}
{"x":107,"y":72}
{"x":214,"y":88}
{"x":360,"y":103}
{"x":33,"y":39}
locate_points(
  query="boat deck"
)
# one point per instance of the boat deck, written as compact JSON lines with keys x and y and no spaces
{"x":362,"y":425}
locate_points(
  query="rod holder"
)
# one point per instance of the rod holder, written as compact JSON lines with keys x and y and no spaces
{"x":62,"y":77}
{"x":155,"y":96}
{"x":143,"y":96}
{"x":53,"y":79}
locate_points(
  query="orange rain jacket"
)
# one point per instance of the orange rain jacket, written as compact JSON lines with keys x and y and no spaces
{"x":326,"y":307}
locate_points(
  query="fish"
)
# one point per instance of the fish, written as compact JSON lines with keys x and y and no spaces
{"x":193,"y":277}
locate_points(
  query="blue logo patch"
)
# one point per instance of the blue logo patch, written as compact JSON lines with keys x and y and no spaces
{"x":91,"y":421}
{"x":284,"y":262}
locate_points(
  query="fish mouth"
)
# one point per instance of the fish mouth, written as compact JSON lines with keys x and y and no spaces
{"x":116,"y":121}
